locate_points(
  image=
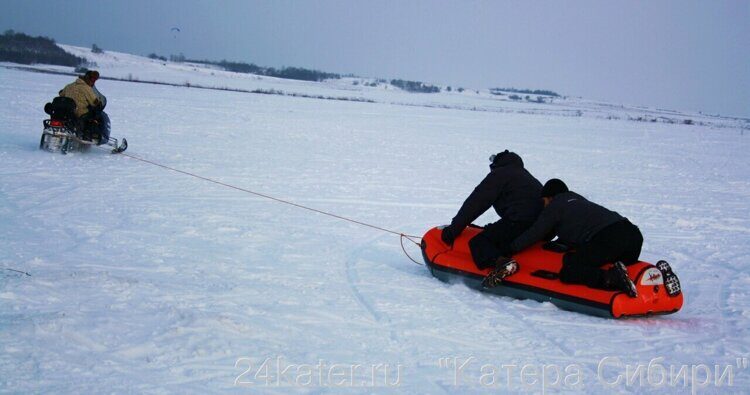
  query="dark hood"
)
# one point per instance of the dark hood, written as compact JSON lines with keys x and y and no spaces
{"x":506,"y":158}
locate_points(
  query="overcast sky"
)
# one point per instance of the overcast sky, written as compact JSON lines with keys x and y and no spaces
{"x":686,"y":55}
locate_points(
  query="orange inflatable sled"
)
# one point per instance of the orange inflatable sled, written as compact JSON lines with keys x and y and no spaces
{"x":535,"y":280}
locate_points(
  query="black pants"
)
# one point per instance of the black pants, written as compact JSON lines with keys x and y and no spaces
{"x":494,"y":241}
{"x":621,"y":241}
{"x":94,"y":125}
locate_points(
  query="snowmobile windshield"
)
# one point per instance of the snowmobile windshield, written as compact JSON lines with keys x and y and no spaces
{"x":102,"y":98}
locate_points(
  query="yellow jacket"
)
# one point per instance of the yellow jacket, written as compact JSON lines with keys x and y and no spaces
{"x":82,"y":94}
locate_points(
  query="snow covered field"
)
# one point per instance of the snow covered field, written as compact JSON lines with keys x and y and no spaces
{"x":146,"y":280}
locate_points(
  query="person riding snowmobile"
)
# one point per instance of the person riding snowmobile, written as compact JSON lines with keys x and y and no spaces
{"x":77,"y":119}
{"x":91,"y":120}
{"x":514,"y":193}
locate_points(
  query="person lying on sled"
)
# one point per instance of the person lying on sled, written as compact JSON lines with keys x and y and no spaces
{"x":514,"y":193}
{"x":597,"y":235}
{"x":89,"y":104}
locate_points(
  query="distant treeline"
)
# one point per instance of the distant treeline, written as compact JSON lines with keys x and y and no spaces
{"x":292,"y":73}
{"x":415,"y":86}
{"x":24,"y":49}
{"x":21,"y":48}
{"x":499,"y":91}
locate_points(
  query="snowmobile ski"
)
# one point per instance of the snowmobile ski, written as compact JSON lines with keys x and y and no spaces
{"x":118,"y":148}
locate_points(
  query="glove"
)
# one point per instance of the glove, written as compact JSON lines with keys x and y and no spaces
{"x":449,"y":235}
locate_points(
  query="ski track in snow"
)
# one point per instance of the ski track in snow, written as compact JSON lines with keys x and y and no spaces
{"x":145,"y":280}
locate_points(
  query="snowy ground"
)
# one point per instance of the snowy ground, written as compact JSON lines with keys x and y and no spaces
{"x":145,"y":280}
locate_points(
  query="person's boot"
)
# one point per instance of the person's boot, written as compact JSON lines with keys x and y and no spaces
{"x":617,"y":278}
{"x":504,"y":267}
{"x":671,"y":282}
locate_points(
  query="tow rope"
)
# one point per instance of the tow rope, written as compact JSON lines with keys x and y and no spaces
{"x":17,"y":271}
{"x":414,"y":239}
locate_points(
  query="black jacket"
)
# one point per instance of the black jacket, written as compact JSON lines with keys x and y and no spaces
{"x":571,"y":217}
{"x":509,"y":188}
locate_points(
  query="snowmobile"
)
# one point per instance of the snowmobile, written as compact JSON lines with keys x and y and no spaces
{"x":64,"y":133}
{"x":536,"y":278}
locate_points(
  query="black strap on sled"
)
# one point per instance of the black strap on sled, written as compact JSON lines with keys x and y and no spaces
{"x":546,"y":274}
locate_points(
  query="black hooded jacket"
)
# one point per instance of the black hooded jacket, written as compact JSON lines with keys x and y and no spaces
{"x":509,"y":188}
{"x":571,"y":217}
